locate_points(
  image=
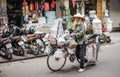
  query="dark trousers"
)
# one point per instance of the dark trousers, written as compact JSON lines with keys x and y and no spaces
{"x":80,"y":54}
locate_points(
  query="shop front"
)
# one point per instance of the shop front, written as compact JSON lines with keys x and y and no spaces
{"x":3,"y":14}
{"x":24,"y":12}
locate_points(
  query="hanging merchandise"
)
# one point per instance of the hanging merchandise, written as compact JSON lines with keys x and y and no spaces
{"x":25,"y":8}
{"x":24,"y":3}
{"x":46,"y":6}
{"x":36,"y":6}
{"x":3,"y":20}
{"x":73,"y":3}
{"x":66,"y":4}
{"x":31,"y":7}
{"x":53,"y":4}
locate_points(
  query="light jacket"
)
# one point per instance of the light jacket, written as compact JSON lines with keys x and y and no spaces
{"x":79,"y":33}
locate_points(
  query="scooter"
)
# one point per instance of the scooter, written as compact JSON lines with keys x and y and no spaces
{"x":105,"y":37}
{"x":18,"y":44}
{"x":33,"y":39}
{"x":6,"y":48}
{"x":40,"y":41}
{"x":30,"y":44}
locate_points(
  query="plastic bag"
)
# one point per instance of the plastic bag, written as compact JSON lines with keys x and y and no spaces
{"x":52,"y":40}
{"x":91,"y":52}
{"x":59,"y":53}
{"x":72,"y":44}
{"x":48,"y":49}
{"x":71,"y":51}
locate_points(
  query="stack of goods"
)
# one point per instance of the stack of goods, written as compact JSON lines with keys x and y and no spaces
{"x":97,"y":26}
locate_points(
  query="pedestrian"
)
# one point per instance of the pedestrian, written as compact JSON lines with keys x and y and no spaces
{"x":80,"y":37}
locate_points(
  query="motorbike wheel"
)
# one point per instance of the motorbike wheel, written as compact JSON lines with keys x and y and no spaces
{"x":8,"y":54}
{"x":42,"y":46}
{"x":5,"y":53}
{"x":37,"y":49}
{"x":55,"y":64}
{"x":21,"y":51}
{"x":101,"y":40}
{"x":3,"y":50}
{"x":108,"y":40}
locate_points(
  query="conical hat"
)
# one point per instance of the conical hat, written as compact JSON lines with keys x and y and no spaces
{"x":78,"y":15}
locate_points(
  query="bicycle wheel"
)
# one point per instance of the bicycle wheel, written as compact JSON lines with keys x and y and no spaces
{"x":55,"y":64}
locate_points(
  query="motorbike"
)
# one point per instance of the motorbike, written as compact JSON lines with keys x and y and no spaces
{"x":6,"y":48}
{"x":105,"y":37}
{"x":5,"y":45}
{"x":40,"y":41}
{"x":18,"y":45}
{"x":34,"y":43}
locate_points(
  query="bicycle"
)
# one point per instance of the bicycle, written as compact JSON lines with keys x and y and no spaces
{"x":57,"y":58}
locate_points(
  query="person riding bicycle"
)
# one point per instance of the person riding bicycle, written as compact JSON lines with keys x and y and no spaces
{"x":79,"y":35}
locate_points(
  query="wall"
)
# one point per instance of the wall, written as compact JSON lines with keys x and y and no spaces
{"x":115,"y":12}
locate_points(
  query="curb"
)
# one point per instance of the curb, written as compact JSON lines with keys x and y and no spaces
{"x":20,"y":59}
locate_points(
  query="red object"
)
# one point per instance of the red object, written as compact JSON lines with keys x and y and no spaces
{"x":109,"y":3}
{"x":46,"y":6}
{"x":104,"y":29}
{"x":31,"y":7}
{"x":53,"y":4}
{"x":36,"y":6}
{"x":24,"y":3}
{"x":7,"y":41}
{"x":73,"y":3}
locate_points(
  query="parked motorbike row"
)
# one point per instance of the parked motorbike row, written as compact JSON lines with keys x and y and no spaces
{"x":21,"y":41}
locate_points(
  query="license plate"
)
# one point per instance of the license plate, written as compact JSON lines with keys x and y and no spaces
{"x":24,"y":38}
{"x":8,"y":45}
{"x":21,"y":43}
{"x":38,"y":41}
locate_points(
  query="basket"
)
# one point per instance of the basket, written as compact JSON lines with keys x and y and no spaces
{"x":52,"y":40}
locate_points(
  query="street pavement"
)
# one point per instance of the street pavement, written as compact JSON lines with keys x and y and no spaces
{"x":115,"y":37}
{"x":108,"y":65}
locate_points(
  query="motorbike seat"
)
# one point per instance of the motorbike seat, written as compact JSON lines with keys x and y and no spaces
{"x":3,"y":39}
{"x":30,"y":35}
{"x":15,"y":38}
